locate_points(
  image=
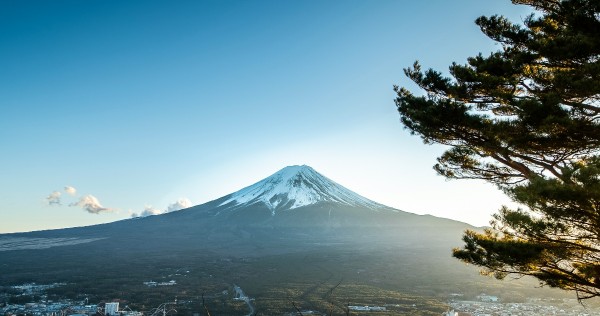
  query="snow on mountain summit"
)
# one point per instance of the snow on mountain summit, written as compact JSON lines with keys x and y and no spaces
{"x":296,"y":186}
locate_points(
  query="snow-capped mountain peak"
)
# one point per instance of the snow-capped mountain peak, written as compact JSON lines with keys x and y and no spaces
{"x":296,"y":186}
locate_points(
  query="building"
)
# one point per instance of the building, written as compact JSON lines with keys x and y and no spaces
{"x":111,"y":309}
{"x":487,"y":298}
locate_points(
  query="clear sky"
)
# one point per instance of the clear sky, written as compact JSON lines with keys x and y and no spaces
{"x":140,"y":104}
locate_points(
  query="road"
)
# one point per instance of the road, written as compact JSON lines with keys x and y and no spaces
{"x":239,"y":295}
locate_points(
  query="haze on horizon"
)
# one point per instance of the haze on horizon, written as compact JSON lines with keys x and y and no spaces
{"x":114,"y":108}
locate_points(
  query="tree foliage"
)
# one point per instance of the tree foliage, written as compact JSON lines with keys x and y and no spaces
{"x":526,"y":118}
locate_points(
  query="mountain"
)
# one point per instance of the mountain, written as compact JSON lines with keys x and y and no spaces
{"x":293,"y":229}
{"x":295,"y":196}
{"x":296,"y":186}
{"x":296,"y":199}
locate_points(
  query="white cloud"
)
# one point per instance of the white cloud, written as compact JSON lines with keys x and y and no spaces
{"x":70,"y":190}
{"x":176,"y":206}
{"x":149,"y":210}
{"x":91,"y":204}
{"x":54,"y":198}
{"x":179,"y":205}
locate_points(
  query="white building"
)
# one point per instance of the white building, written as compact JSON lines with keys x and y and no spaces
{"x":111,"y":308}
{"x":487,"y":298}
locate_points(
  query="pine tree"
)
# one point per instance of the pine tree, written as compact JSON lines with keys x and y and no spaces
{"x":526,"y":118}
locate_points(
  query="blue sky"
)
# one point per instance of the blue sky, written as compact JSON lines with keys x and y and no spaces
{"x":143,"y":103}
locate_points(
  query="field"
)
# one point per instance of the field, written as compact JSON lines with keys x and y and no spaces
{"x":327,"y":278}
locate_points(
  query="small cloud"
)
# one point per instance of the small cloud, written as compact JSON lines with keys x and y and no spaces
{"x":179,"y":205}
{"x":70,"y":190}
{"x":148,"y":210}
{"x":54,"y":198}
{"x":176,"y":206}
{"x":91,"y":204}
